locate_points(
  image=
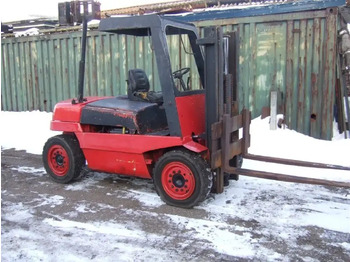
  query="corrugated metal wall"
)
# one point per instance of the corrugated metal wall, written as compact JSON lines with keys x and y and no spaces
{"x":294,"y":53}
{"x":39,"y":71}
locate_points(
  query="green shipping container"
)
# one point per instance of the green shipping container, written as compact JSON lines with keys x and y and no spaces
{"x":294,"y":53}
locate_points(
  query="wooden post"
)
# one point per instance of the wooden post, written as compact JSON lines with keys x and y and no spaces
{"x":273,"y":110}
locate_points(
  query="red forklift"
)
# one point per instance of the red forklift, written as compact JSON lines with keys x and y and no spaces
{"x":184,"y":137}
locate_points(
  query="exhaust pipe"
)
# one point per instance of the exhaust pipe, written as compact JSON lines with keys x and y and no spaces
{"x":80,"y":98}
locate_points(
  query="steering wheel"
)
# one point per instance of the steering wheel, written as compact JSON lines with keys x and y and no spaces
{"x":178,"y":75}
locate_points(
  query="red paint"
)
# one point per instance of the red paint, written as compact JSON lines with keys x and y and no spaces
{"x":135,"y":144}
{"x":58,"y":160}
{"x":191,"y":110}
{"x":117,"y":162}
{"x":123,"y":154}
{"x":65,"y":126}
{"x":178,"y":181}
{"x":130,"y":154}
{"x":67,"y":112}
{"x":195,"y":147}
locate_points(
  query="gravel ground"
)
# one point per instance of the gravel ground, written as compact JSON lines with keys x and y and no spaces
{"x":113,"y":218}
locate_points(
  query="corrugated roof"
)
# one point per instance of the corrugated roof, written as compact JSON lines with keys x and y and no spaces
{"x":212,"y":9}
{"x":185,"y":5}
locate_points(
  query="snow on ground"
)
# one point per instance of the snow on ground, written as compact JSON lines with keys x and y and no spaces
{"x":26,"y":130}
{"x":254,"y":219}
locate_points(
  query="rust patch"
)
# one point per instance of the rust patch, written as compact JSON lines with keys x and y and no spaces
{"x":313,"y":78}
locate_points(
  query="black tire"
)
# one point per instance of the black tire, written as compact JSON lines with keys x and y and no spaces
{"x":182,"y":178}
{"x":63,"y":159}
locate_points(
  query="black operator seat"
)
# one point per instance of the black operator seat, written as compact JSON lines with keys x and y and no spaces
{"x":138,"y":88}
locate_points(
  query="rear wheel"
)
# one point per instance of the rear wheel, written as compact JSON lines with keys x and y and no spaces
{"x":63,"y":158}
{"x":182,"y":178}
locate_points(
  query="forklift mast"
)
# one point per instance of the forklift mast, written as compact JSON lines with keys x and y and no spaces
{"x":221,"y":77}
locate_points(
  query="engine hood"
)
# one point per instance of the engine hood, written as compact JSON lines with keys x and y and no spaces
{"x":66,"y":111}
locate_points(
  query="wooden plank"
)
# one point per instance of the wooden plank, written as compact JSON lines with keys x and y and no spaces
{"x":46,"y":82}
{"x":330,"y":62}
{"x":253,"y":102}
{"x":216,"y":160}
{"x":29,"y":85}
{"x":309,"y":45}
{"x":40,"y":87}
{"x":89,"y":63}
{"x":11,"y":75}
{"x":108,"y":65}
{"x":219,"y":181}
{"x":35,"y":75}
{"x":5,"y":98}
{"x":100,"y":87}
{"x":246,"y":118}
{"x":234,"y":149}
{"x":302,"y":71}
{"x":72,"y":73}
{"x":53,"y":76}
{"x":315,"y":122}
{"x":93,"y":66}
{"x":21,"y":78}
{"x":216,"y":130}
{"x":13,"y":72}
{"x":289,"y":75}
{"x":115,"y":70}
{"x":123,"y":64}
{"x":58,"y":69}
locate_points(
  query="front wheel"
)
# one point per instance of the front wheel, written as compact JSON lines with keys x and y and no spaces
{"x":63,"y":159}
{"x":182,"y":178}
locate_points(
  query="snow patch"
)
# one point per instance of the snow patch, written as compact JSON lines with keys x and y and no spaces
{"x":222,"y":237}
{"x":37,"y":130}
{"x":90,"y":180}
{"x":149,"y":199}
{"x":16,"y":213}
{"x":51,"y":201}
{"x":103,"y":228}
{"x":30,"y":170}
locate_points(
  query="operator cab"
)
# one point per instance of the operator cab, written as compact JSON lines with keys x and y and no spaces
{"x":177,"y":108}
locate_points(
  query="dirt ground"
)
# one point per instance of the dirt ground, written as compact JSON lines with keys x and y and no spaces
{"x":112,"y":218}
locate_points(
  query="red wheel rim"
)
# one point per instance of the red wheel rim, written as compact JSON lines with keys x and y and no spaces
{"x":178,"y":181}
{"x":58,"y":160}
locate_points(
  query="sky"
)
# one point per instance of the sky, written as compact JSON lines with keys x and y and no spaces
{"x":15,"y":10}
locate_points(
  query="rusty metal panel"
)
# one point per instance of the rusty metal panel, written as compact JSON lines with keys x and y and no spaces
{"x":292,"y":53}
{"x":39,"y":71}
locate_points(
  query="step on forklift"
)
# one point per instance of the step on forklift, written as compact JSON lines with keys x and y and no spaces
{"x":184,"y":137}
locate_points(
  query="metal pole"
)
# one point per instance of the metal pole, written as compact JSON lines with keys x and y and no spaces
{"x":82,"y":63}
{"x":293,"y":179}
